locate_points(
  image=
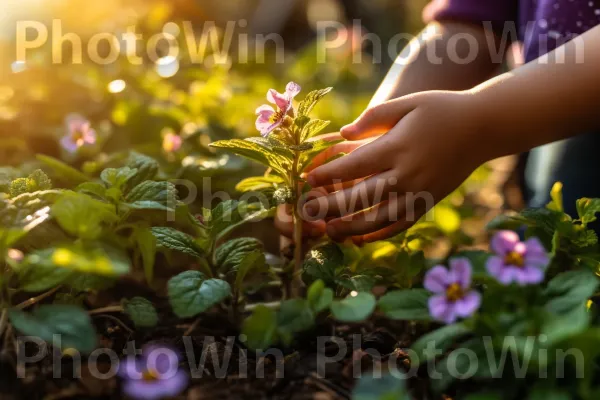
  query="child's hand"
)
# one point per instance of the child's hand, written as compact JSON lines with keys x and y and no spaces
{"x":431,"y":142}
{"x":314,"y":229}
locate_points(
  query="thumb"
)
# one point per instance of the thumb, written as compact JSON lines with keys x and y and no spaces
{"x":379,"y":119}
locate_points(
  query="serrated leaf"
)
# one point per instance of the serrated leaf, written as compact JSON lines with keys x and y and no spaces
{"x":354,"y":308}
{"x":260,"y":328}
{"x":273,"y":145}
{"x":141,"y":312}
{"x":92,"y":188}
{"x":82,"y":216}
{"x":255,"y":152}
{"x":35,"y":182}
{"x":146,"y":244}
{"x":323,"y":262}
{"x":147,"y":169}
{"x":71,"y":323}
{"x":587,"y":209}
{"x":170,"y":238}
{"x":230,"y":214}
{"x":153,"y":196}
{"x":191,"y":294}
{"x":311,"y":100}
{"x":117,"y":177}
{"x":313,"y":128}
{"x":259,"y":183}
{"x":230,"y":254}
{"x":405,"y":305}
{"x":62,"y":170}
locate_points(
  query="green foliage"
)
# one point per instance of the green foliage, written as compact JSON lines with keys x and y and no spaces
{"x":260,"y":328}
{"x":190,"y":293}
{"x":405,"y":304}
{"x":141,"y":311}
{"x":36,"y":181}
{"x":117,"y":177}
{"x":153,"y":195}
{"x":172,"y":239}
{"x":319,"y":297}
{"x":354,"y":308}
{"x":71,"y":323}
{"x":82,"y":216}
{"x":230,"y":254}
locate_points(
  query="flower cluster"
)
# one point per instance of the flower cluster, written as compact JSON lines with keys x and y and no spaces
{"x":513,"y":261}
{"x":153,"y":376}
{"x":270,"y":119}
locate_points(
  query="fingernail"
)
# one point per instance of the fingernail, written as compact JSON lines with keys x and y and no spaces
{"x":311,"y":180}
{"x":309,"y":209}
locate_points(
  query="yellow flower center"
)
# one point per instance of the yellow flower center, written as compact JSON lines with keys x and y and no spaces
{"x":454,"y":292}
{"x":150,"y":375}
{"x":276,"y":116}
{"x":514,"y":258}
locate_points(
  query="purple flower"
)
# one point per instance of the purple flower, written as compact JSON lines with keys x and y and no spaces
{"x":269,"y":119}
{"x":453,"y":297}
{"x":171,"y":142}
{"x":153,"y":376}
{"x":521,"y":262}
{"x":79,"y":133}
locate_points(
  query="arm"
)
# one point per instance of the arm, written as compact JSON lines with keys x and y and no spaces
{"x":546,"y":100}
{"x":425,"y":64}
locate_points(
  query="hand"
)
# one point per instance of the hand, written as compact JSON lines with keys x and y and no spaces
{"x":314,"y":228}
{"x":431,"y":142}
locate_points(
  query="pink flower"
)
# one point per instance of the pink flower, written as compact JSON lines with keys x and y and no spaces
{"x":171,"y":143}
{"x":453,"y":296}
{"x":79,"y":133}
{"x":269,"y":119}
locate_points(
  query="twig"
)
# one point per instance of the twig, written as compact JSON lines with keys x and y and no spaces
{"x":3,"y":321}
{"x":192,"y":327}
{"x":104,"y":310}
{"x":274,"y":305}
{"x":328,"y":386}
{"x":34,"y":300}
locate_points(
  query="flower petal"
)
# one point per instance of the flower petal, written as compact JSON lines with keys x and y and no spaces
{"x":292,"y":89}
{"x":265,"y":111}
{"x":461,"y":269}
{"x":266,"y":127}
{"x":467,"y":306}
{"x":536,"y":254}
{"x":507,"y":274}
{"x":504,"y":242}
{"x":440,"y":309}
{"x":131,"y":368}
{"x":143,"y":390}
{"x":175,"y":385}
{"x":494,"y":266}
{"x":68,"y":144}
{"x":163,"y":360}
{"x":279,"y":99}
{"x":529,"y":276}
{"x":436,"y":279}
{"x":89,"y":136}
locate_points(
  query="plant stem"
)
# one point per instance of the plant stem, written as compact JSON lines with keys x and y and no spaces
{"x":34,"y":300}
{"x":274,"y":305}
{"x":104,"y":310}
{"x":296,"y":281}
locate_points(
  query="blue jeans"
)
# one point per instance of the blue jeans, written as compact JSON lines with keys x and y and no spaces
{"x":575,"y":162}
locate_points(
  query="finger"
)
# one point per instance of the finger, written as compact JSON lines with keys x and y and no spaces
{"x":392,"y":230}
{"x":368,"y":221}
{"x":368,"y":159}
{"x":379,"y":119}
{"x":343,"y":147}
{"x":348,"y":201}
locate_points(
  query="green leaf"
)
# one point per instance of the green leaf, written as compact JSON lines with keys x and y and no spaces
{"x":147,"y":169}
{"x":72,"y":323}
{"x":62,"y":170}
{"x":259,"y":183}
{"x":406,"y":304}
{"x":295,"y":315}
{"x":273,"y":145}
{"x":36,"y":181}
{"x":153,"y":195}
{"x":561,"y":327}
{"x":191,"y":294}
{"x":319,"y":297}
{"x":387,"y":387}
{"x":92,"y":188}
{"x":311,"y":100}
{"x":569,"y":290}
{"x":323,"y":261}
{"x":557,"y":198}
{"x":587,"y":209}
{"x":255,"y":152}
{"x":37,"y":273}
{"x":440,"y":339}
{"x":230,"y":254}
{"x":354,"y":308}
{"x":141,"y":311}
{"x":101,"y":260}
{"x":146,"y":244}
{"x":230,"y":214}
{"x":82,"y":216}
{"x":547,"y":394}
{"x":260,"y":328}
{"x":313,"y":128}
{"x":252,"y":261}
{"x":170,"y":238}
{"x":117,"y":177}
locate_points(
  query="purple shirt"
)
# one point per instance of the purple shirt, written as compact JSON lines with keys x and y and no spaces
{"x":542,"y":25}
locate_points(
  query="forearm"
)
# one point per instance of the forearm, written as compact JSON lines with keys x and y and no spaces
{"x":426,"y":63}
{"x":546,"y":100}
